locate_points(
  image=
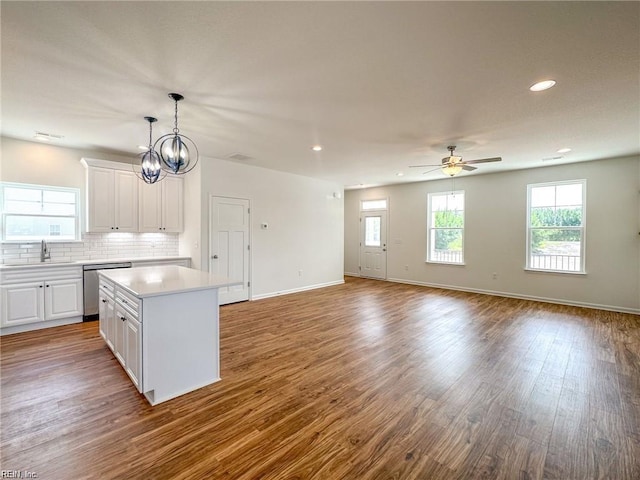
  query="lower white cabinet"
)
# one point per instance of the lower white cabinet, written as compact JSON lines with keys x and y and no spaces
{"x":22,"y":303}
{"x":38,"y":295}
{"x":62,"y":298}
{"x":121,"y":329}
{"x":133,"y":350}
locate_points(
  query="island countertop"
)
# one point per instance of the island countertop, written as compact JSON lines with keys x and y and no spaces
{"x":164,"y":280}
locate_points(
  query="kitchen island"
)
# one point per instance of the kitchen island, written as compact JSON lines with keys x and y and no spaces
{"x":162,"y":324}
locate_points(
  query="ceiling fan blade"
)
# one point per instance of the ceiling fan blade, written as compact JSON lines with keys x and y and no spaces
{"x":421,"y":166}
{"x":469,"y":168}
{"x":483,"y":160}
{"x":432,"y":170}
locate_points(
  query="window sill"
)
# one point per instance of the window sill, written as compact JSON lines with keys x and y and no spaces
{"x":562,"y":272}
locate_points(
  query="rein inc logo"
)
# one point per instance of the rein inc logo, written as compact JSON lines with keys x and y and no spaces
{"x":18,"y":474}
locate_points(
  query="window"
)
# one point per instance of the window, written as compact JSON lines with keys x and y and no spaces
{"x":555,"y":226}
{"x":374,"y":205}
{"x":34,"y":212}
{"x":445,"y":224}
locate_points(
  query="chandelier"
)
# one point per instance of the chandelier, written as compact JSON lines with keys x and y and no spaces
{"x":177,"y":152}
{"x":149,"y":168}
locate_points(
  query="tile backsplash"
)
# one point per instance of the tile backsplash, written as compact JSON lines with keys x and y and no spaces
{"x":95,"y":246}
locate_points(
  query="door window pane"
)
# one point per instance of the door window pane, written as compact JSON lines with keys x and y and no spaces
{"x":372,"y":231}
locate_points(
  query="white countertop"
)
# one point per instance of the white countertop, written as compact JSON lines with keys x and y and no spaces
{"x":93,"y":261}
{"x":164,"y":280}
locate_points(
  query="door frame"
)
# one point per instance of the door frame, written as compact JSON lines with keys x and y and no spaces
{"x":210,"y":229}
{"x":362,"y":212}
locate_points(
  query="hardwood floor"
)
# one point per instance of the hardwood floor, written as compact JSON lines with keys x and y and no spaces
{"x":367,"y":380}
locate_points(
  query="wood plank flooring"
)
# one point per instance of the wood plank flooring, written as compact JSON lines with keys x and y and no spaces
{"x":367,"y":380}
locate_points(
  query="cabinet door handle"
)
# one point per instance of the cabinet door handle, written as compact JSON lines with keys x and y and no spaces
{"x":123,"y":318}
{"x":40,"y":286}
{"x":104,"y":300}
{"x":48,"y":286}
{"x":117,"y":228}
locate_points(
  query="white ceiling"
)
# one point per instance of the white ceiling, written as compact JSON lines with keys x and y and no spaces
{"x":381,"y":85}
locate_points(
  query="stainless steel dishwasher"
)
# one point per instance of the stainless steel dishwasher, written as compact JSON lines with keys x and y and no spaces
{"x":90,"y":287}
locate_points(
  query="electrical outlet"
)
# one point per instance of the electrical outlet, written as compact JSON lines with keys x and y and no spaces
{"x":299,"y":273}
{"x":494,"y":276}
{"x":406,"y":268}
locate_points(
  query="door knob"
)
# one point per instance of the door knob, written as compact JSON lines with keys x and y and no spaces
{"x":215,"y":257}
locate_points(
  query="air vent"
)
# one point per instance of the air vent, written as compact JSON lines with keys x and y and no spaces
{"x":47,"y":137}
{"x":239,"y":157}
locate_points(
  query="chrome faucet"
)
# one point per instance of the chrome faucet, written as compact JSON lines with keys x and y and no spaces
{"x":45,"y":253}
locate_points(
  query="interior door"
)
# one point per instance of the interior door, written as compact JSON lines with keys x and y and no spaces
{"x":373,"y":244}
{"x":229,"y":245}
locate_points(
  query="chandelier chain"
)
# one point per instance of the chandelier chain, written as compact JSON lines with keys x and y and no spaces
{"x":175,"y":128}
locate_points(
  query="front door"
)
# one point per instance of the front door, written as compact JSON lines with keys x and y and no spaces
{"x":373,"y":244}
{"x":229,"y":246}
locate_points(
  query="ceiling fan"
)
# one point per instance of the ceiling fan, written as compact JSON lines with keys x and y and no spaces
{"x":453,"y":164}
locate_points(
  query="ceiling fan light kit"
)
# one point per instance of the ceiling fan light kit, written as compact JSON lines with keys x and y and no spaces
{"x":453,"y":164}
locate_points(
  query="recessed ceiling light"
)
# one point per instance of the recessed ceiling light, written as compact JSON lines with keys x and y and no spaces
{"x":142,"y":147}
{"x":400,"y":174}
{"x":544,"y":85}
{"x":564,"y":150}
{"x":317,"y":148}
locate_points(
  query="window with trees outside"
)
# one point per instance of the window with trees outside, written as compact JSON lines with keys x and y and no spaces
{"x":445,"y":225}
{"x":35,"y":213}
{"x":556,"y":226}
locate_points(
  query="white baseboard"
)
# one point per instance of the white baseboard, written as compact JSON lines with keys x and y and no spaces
{"x":558,"y":301}
{"x":349,"y":274}
{"x":296,"y":290}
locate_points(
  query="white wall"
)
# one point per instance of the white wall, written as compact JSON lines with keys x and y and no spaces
{"x":495,"y":231}
{"x":305,"y":226}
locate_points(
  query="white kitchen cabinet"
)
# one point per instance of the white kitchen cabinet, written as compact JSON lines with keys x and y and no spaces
{"x":121,"y":329}
{"x":106,"y":312}
{"x":120,"y":336}
{"x":162,"y":205}
{"x":133,"y":350}
{"x":22,"y":303}
{"x":112,"y":200}
{"x":62,"y":298}
{"x":31,"y":295}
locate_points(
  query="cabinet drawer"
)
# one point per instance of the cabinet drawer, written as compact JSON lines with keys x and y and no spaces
{"x":128,"y":301}
{"x":106,"y":287}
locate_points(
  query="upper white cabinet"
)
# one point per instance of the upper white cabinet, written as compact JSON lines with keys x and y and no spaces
{"x":118,"y":201}
{"x":162,"y":205}
{"x":112,"y":200}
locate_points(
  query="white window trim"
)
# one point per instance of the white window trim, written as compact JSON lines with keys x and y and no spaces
{"x":440,"y":262}
{"x":582,"y":228}
{"x":75,"y":191}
